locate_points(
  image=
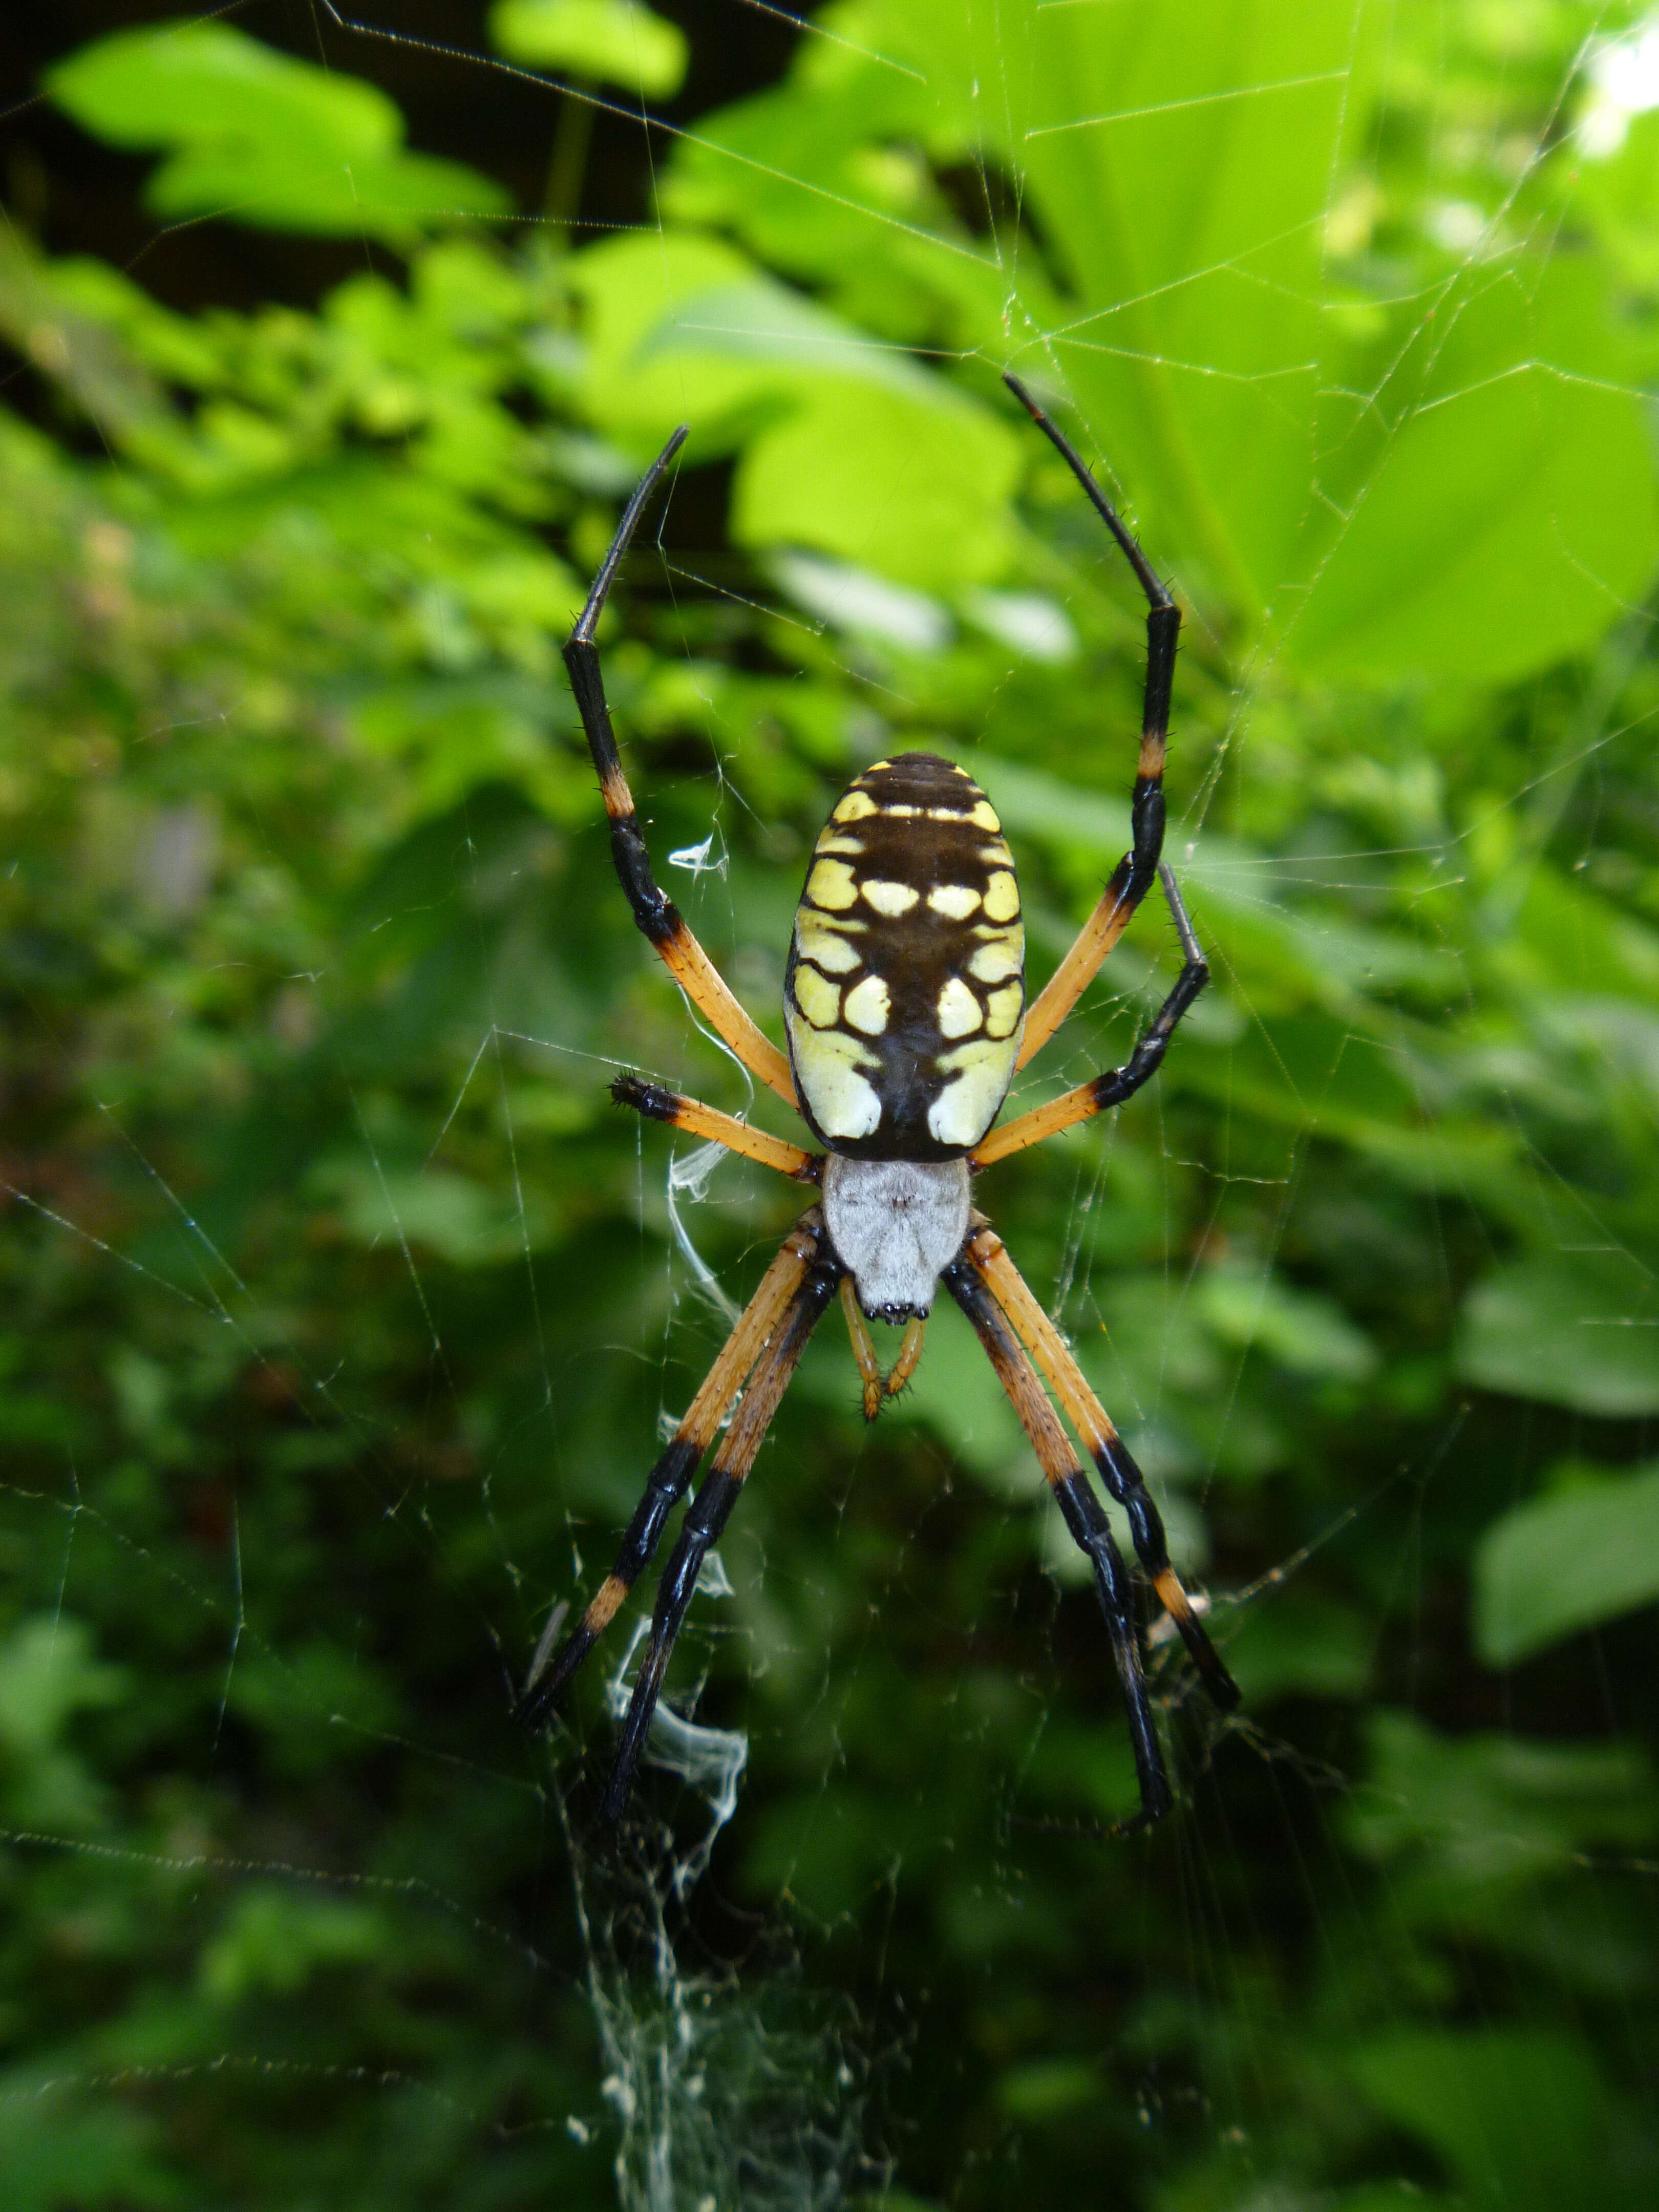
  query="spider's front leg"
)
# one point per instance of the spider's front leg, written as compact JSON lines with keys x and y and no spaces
{"x":659,"y":918}
{"x":1132,"y":877}
{"x":1102,"y":1092}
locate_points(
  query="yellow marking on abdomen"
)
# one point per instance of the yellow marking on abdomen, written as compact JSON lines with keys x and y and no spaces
{"x":1002,"y":1010}
{"x":888,"y":898}
{"x":966,"y":1107}
{"x":959,"y":1012}
{"x":826,"y":947}
{"x":829,"y":1065}
{"x":817,"y":999}
{"x":1000,"y":958}
{"x":831,"y":884}
{"x":1001,"y":897}
{"x":956,"y":901}
{"x":867,"y":1006}
{"x":854,"y":807}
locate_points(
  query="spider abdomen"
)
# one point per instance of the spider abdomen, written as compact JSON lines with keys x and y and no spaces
{"x":905,"y":996}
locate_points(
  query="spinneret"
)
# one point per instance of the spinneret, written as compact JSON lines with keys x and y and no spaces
{"x":901,"y":1045}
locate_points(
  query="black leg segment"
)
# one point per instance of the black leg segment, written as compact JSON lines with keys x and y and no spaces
{"x":1085,"y":1520}
{"x":708,"y":1515}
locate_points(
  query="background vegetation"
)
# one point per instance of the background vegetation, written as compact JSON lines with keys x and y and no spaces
{"x":342,"y":1310}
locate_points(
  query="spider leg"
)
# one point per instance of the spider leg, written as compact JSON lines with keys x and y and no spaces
{"x":987,"y":1254}
{"x":1085,"y":1520}
{"x":1117,"y":1083}
{"x":658,"y":917}
{"x":1132,"y":877}
{"x":658,"y":1103}
{"x":706,"y":1517}
{"x":668,"y":1480}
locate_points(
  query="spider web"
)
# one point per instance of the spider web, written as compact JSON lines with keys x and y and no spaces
{"x":748,"y":2043}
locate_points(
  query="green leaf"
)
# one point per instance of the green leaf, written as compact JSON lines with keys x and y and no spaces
{"x":261,"y":139}
{"x":1298,"y":1330}
{"x":1467,"y":491}
{"x":1564,"y":1562}
{"x":1300,"y":1647}
{"x":173,"y":84}
{"x":608,"y":41}
{"x":1502,"y":512}
{"x":844,"y":445}
{"x":1519,"y":2115}
{"x":1578,"y":1329}
{"x":1488,"y":1811}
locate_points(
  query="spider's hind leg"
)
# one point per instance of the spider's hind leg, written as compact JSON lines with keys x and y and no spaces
{"x":670,"y":1477}
{"x":1084,"y":1519}
{"x":716,"y":1495}
{"x":988,"y":1256}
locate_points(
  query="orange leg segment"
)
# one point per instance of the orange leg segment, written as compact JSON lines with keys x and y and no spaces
{"x":987,"y":1256}
{"x":1085,"y":1521}
{"x":1103,"y":1092}
{"x":672,"y":1473}
{"x":657,"y":915}
{"x":659,"y":1104}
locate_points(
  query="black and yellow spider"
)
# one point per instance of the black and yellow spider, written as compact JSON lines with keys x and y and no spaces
{"x":904,"y":1002}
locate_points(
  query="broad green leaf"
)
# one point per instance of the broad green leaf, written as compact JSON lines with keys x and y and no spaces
{"x":1299,"y":1647}
{"x":257,"y":137}
{"x":1180,"y":157}
{"x":844,"y":445}
{"x":174,"y":84}
{"x":1497,"y":492}
{"x":1572,"y":1328}
{"x":609,"y":41}
{"x":393,"y":197}
{"x":1486,"y":1808}
{"x":1520,"y":2115}
{"x":1469,"y":493}
{"x":433,"y":1211}
{"x":1564,"y":1562}
{"x":1298,"y":1330}
{"x":1175,"y":159}
{"x":1619,"y":194}
{"x":916,"y":491}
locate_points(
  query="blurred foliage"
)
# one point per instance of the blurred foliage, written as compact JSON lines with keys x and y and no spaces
{"x":342,"y":1310}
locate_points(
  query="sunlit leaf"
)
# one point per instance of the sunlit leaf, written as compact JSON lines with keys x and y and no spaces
{"x":1501,"y":512}
{"x":257,"y":137}
{"x":609,"y":41}
{"x":844,"y":445}
{"x":1304,"y":1333}
{"x":1453,"y":478}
